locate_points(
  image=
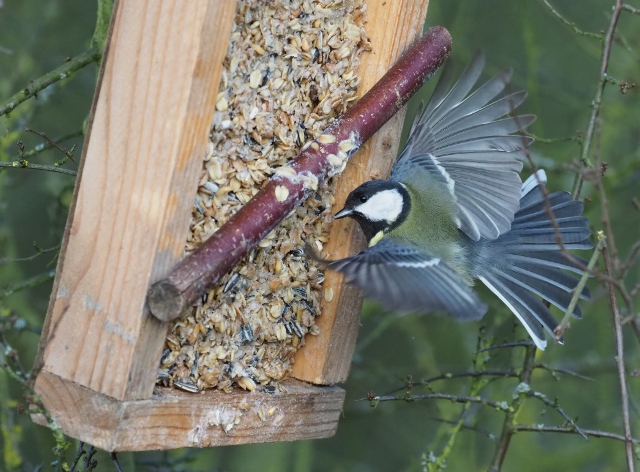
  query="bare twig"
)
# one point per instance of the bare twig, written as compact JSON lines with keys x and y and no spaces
{"x":469,"y":427}
{"x":31,"y":282}
{"x":571,"y":24}
{"x":526,"y":343}
{"x":516,"y":404}
{"x":559,"y":370}
{"x":478,"y":383}
{"x":28,"y":165}
{"x":554,"y":404}
{"x":500,"y":406}
{"x":79,"y":453}
{"x":68,"y":153}
{"x":64,"y":71}
{"x":622,"y":377}
{"x":561,"y":429}
{"x":319,"y":159}
{"x":44,"y":147}
{"x":479,"y":373}
{"x":39,"y":252}
{"x":114,"y":459}
{"x":564,"y":324}
{"x":597,"y":101}
{"x":630,"y":9}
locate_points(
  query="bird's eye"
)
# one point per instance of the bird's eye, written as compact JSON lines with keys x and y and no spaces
{"x":363,"y":198}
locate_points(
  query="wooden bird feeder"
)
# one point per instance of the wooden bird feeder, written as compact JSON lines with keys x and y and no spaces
{"x":101,"y":346}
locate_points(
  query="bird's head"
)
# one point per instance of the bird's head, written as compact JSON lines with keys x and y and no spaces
{"x":377,"y":205}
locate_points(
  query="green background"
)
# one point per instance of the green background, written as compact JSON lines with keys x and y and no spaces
{"x":558,"y":67}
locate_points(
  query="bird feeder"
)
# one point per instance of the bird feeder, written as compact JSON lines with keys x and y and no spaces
{"x":149,"y":126}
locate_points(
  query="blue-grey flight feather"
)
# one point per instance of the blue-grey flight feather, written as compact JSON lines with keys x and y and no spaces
{"x":405,"y":279}
{"x":466,"y":142}
{"x":526,"y":261}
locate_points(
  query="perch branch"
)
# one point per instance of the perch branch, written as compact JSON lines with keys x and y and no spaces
{"x":291,"y":184}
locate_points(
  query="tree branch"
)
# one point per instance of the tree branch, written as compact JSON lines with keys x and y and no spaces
{"x":597,"y":101}
{"x":561,"y":429}
{"x":291,"y":184}
{"x":64,"y":71}
{"x":519,"y":398}
{"x":622,"y":377}
{"x":577,"y":291}
{"x":29,"y":165}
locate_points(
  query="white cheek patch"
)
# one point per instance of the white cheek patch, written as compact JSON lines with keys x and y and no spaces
{"x":382,"y":206}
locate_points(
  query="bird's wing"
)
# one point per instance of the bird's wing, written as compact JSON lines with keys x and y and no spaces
{"x":404,"y":279}
{"x":467,"y":144}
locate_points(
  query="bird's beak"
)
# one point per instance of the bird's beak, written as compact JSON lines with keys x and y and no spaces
{"x":342,"y":213}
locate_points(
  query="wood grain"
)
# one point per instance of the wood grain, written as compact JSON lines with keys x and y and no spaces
{"x":173,"y":419}
{"x":135,"y":191}
{"x":326,"y":359}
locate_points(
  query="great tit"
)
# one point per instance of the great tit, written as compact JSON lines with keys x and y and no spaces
{"x":455,"y":210}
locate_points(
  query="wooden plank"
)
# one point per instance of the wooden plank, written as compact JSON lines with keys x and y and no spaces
{"x":172,"y":418}
{"x":135,"y":190}
{"x":326,"y":359}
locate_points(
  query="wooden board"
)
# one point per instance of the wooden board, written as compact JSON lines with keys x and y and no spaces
{"x":135,"y":190}
{"x":326,"y":359}
{"x":173,"y":419}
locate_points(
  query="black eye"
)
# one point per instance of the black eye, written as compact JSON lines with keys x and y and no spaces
{"x":363,"y":198}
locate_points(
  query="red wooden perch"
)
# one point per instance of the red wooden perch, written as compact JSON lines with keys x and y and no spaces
{"x":291,"y":184}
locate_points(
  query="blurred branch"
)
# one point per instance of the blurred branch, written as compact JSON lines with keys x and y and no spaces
{"x":597,"y":101}
{"x":631,"y":259}
{"x":575,"y":139}
{"x":28,"y":283}
{"x":525,"y":343}
{"x":630,"y":9}
{"x":114,"y":459}
{"x":479,"y":373}
{"x":39,"y":252}
{"x":67,"y":153}
{"x":571,"y":24}
{"x":28,"y":165}
{"x":561,"y":429}
{"x":554,"y":404}
{"x":64,"y":71}
{"x":500,"y":406}
{"x":622,"y":378}
{"x":469,"y":427}
{"x":564,"y":324}
{"x":519,"y":398}
{"x":479,"y":365}
{"x":556,"y":370}
{"x":45,"y":147}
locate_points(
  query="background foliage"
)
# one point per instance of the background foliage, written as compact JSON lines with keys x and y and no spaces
{"x":561,"y":70}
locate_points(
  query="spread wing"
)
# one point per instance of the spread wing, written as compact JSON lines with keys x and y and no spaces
{"x":466,"y":142}
{"x":404,"y":279}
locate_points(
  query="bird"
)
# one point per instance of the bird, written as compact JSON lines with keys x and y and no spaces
{"x":455,"y":211}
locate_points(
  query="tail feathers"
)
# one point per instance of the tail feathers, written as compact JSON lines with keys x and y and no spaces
{"x":527,"y":262}
{"x":531,"y":312}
